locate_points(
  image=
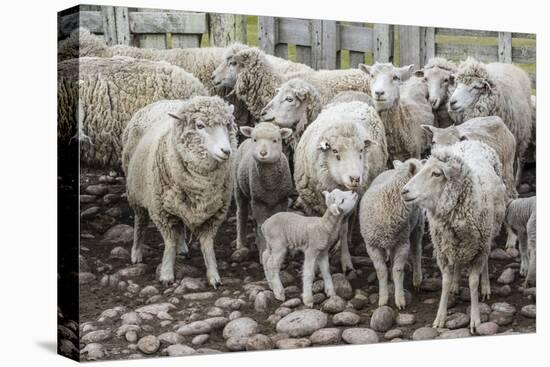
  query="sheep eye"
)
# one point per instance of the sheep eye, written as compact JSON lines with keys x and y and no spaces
{"x":200,"y":125}
{"x":436,"y":174}
{"x":233,"y":63}
{"x":288,"y":99}
{"x":396,"y":77}
{"x":334,"y":151}
{"x":342,"y":201}
{"x":360,"y":150}
{"x":425,"y":79}
{"x":274,"y":140}
{"x":254,"y":140}
{"x":338,"y":157}
{"x":433,"y":142}
{"x":446,"y":80}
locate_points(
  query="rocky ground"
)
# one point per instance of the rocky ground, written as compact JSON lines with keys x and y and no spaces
{"x":126,"y":313}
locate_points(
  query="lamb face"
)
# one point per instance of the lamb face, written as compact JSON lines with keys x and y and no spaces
{"x":267,"y":141}
{"x":385,"y":82}
{"x":426,"y":188}
{"x":289,"y":104}
{"x":340,"y":202}
{"x":344,"y":159}
{"x":438,"y":81}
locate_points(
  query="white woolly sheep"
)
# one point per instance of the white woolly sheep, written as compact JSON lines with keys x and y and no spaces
{"x":177,"y":160}
{"x":315,"y":236}
{"x":402,"y":116}
{"x":495,"y":89}
{"x":438,"y":74}
{"x":391,"y":229}
{"x":343,"y":148}
{"x":352,"y":95}
{"x":262,"y":177}
{"x":98,"y":96}
{"x":521,"y":216}
{"x":464,"y":197}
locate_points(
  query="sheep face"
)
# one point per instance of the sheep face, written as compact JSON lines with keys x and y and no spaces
{"x":267,"y":141}
{"x":288,"y":106}
{"x":439,"y":81}
{"x":466,"y":95}
{"x":426,"y":188}
{"x":225,"y":75}
{"x":344,"y":159}
{"x":447,"y":136}
{"x":385,"y":82}
{"x":340,"y":202}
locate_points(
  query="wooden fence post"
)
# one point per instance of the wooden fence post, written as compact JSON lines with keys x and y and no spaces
{"x":109,"y":24}
{"x":224,"y":29}
{"x":428,"y":44}
{"x":381,"y":48}
{"x":316,"y":44}
{"x":151,"y":40}
{"x":330,"y":53}
{"x":267,"y":34}
{"x":505,"y":47}
{"x":122,"y":22}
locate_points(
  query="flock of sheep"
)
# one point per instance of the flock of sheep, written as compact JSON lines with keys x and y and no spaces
{"x":338,"y":147}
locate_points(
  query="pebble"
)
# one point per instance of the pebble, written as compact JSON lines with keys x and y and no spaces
{"x":229,"y":303}
{"x":382,"y":319}
{"x":178,"y":350}
{"x":507,"y":276}
{"x":405,"y":319}
{"x":346,"y":318}
{"x":240,"y":255}
{"x":431,"y":284}
{"x":291,"y":303}
{"x":91,"y":211}
{"x":326,"y":336}
{"x":155,"y":308}
{"x":94,"y":351}
{"x":260,"y":302}
{"x":457,"y":320}
{"x":217,"y":322}
{"x":148,"y":344}
{"x":200,"y":296}
{"x":214,"y":311}
{"x":334,"y":305}
{"x":342,"y":286}
{"x":111,"y":199}
{"x":503,"y":291}
{"x":194,"y":328}
{"x":192,"y":284}
{"x":96,"y":336}
{"x":293,"y":343}
{"x":501,"y":318}
{"x":487,"y":328}
{"x":503,"y":307}
{"x":236,"y":343}
{"x":85,"y":278}
{"x":241,"y":327}
{"x":149,"y":291}
{"x":425,"y":333}
{"x":529,"y":311}
{"x":120,"y":233}
{"x":259,"y":342}
{"x":97,"y":190}
{"x":235,"y":315}
{"x":170,"y":338}
{"x":302,"y":322}
{"x":86,"y":199}
{"x":359,"y":336}
{"x":200,"y":339}
{"x":133,"y":271}
{"x":119,"y":253}
{"x":131,"y":336}
{"x":393,"y":333}
{"x":457,"y":333}
{"x":499,"y":254}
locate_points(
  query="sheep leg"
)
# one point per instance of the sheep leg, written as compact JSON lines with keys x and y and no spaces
{"x":169,"y":234}
{"x":378,"y":260}
{"x":511,"y":239}
{"x":400,"y":255}
{"x":532,"y":248}
{"x":473,"y":279}
{"x":345,"y":256}
{"x":308,"y":274}
{"x":141,"y":218}
{"x":242,"y":219}
{"x":416,"y":250}
{"x":184,"y":235}
{"x":273,"y":267}
{"x":455,"y":285}
{"x":524,"y":253}
{"x":324,"y":266}
{"x":261,"y":213}
{"x":446,"y":272}
{"x":485,"y":282}
{"x":207,"y":248}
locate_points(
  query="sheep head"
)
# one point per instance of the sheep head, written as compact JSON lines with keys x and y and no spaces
{"x":225,"y":75}
{"x":340,"y":203}
{"x":267,"y":141}
{"x":385,"y":80}
{"x":438,"y":74}
{"x":472,"y":82}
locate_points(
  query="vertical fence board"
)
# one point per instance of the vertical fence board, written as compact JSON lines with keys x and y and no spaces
{"x":224,"y":29}
{"x":409,"y":45}
{"x":303,"y":54}
{"x":382,"y":47}
{"x":122,"y":25}
{"x":356,"y":58}
{"x":281,"y":50}
{"x":329,"y":45}
{"x":316,"y":44}
{"x":109,"y":24}
{"x":505,"y":47}
{"x":267,"y":34}
{"x":151,"y":40}
{"x":428,"y":44}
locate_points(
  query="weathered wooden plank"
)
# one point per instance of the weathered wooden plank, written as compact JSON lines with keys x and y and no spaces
{"x":428,"y":44}
{"x":356,"y":58}
{"x":382,"y":46}
{"x":147,"y":39}
{"x":185,"y":40}
{"x":303,"y":54}
{"x":409,"y":46}
{"x":524,"y":55}
{"x":330,"y":45}
{"x":524,"y":35}
{"x":89,"y":19}
{"x":355,"y":38}
{"x":465,"y":32}
{"x":505,"y":47}
{"x":462,"y":51}
{"x":122,"y":25}
{"x":150,"y":21}
{"x":316,"y":44}
{"x":294,"y":31}
{"x":281,"y":50}
{"x":267,"y":34}
{"x":109,"y":24}
{"x":225,"y":29}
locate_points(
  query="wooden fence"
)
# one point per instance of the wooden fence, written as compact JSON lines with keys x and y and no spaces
{"x":318,"y":43}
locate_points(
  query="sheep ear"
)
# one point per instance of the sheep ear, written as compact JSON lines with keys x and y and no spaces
{"x":412,"y":168}
{"x":176,"y":117}
{"x":369,"y":143}
{"x":365,"y":68}
{"x":324,"y":145}
{"x":429,"y":129}
{"x":286,"y":133}
{"x":451,"y":169}
{"x":246,"y":131}
{"x":423,"y":161}
{"x":301,"y":94}
{"x":452,"y":79}
{"x":231,"y":109}
{"x":397,"y":163}
{"x":419,"y":73}
{"x":405,"y":72}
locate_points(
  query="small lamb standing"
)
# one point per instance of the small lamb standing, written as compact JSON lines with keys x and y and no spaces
{"x":392,"y":228}
{"x":521,"y":216}
{"x":495,"y":89}
{"x":464,"y":197}
{"x":401,"y":115}
{"x":262,"y":178}
{"x":177,"y":161}
{"x":315,"y":236}
{"x":438,"y":74}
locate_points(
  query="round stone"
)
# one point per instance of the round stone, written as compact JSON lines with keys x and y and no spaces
{"x":431,"y":284}
{"x":425,"y":333}
{"x":239,"y":328}
{"x":291,"y":303}
{"x":503,"y":307}
{"x":293,"y":343}
{"x":236,"y":343}
{"x":179,"y":350}
{"x":302,"y":322}
{"x":382,"y":319}
{"x":457,"y":320}
{"x":170,"y":338}
{"x":393,"y":333}
{"x":200,"y":339}
{"x":120,"y":233}
{"x":457,"y":333}
{"x":149,"y":291}
{"x":405,"y":319}
{"x":119,"y":253}
{"x":507,"y":276}
{"x":148,"y":344}
{"x":487,"y":328}
{"x":342,"y":286}
{"x":326,"y":336}
{"x":529,"y":311}
{"x":96,"y":336}
{"x":259,"y":342}
{"x":334,"y":305}
{"x":194,"y":328}
{"x":359,"y":336}
{"x":346,"y":318}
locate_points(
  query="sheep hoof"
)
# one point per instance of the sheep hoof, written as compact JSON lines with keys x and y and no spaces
{"x":214,"y":280}
{"x":166,"y":281}
{"x":280,"y":296}
{"x":439,"y":322}
{"x":137,"y":258}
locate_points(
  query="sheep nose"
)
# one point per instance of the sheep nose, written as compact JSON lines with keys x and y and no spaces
{"x":354,"y":179}
{"x":226,"y":151}
{"x":379,"y":93}
{"x":263,"y":153}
